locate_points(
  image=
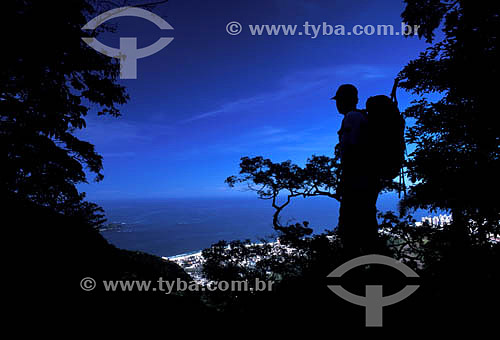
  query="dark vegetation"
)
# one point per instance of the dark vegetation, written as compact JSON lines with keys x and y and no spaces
{"x":48,"y":86}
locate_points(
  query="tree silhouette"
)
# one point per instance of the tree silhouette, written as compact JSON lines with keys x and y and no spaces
{"x":50,"y":80}
{"x":48,"y":87}
{"x":281,"y":182}
{"x":457,"y":155}
{"x":319,"y":177}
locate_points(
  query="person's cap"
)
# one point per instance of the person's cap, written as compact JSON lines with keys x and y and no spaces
{"x":346,"y":91}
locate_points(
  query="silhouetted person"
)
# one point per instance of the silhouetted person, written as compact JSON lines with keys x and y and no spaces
{"x":359,"y":187}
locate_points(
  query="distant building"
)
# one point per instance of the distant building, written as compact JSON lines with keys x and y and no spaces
{"x":436,"y":221}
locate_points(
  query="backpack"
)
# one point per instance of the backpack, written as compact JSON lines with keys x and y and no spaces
{"x":386,"y":134}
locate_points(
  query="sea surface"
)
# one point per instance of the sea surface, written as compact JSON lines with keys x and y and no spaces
{"x":168,"y":227}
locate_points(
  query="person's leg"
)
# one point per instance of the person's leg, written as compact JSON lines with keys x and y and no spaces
{"x":358,"y":227}
{"x":363,"y":223}
{"x":371,"y":244}
{"x":348,"y":227}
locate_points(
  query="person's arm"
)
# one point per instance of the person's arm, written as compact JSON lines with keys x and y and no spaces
{"x":352,"y":129}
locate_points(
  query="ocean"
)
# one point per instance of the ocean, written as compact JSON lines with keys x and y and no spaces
{"x":168,"y":227}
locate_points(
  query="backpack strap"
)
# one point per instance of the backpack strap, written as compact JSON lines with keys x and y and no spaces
{"x":394,"y":89}
{"x":402,"y":182}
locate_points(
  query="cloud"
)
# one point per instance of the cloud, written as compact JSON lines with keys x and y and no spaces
{"x":268,"y":131}
{"x":364,"y":72}
{"x":270,"y":139}
{"x":103,"y":131}
{"x":255,"y":101}
{"x":299,"y":83}
{"x":119,"y":154}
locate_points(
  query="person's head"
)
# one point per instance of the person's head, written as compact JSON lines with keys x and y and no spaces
{"x":346,"y":98}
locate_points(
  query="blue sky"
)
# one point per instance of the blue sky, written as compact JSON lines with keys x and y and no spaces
{"x":210,"y":98}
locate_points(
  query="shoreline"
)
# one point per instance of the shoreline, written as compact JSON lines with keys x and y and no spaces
{"x":182,"y":256}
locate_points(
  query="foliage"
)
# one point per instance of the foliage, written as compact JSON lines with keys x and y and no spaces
{"x":319,"y":177}
{"x":290,"y":260}
{"x":49,"y":85}
{"x":281,"y":182}
{"x":457,"y":145}
{"x":47,"y":90}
